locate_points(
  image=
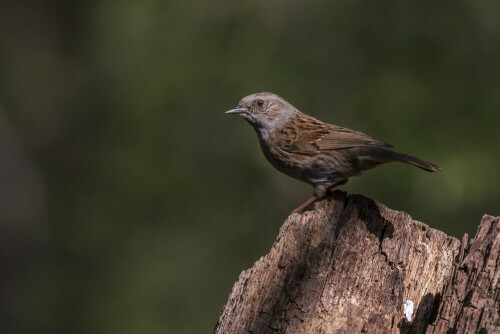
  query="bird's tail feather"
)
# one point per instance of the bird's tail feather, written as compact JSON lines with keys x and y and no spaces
{"x":415,"y":161}
{"x":369,"y":157}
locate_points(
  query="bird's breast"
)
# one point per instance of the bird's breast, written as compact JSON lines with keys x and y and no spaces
{"x":293,"y":165}
{"x":312,"y":169}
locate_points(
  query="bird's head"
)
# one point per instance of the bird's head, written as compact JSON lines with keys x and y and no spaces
{"x":265,"y":111}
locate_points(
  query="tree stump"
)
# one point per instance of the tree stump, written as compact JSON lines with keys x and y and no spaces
{"x":350,"y":264}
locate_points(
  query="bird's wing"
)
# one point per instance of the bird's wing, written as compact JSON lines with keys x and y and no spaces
{"x":308,"y":136}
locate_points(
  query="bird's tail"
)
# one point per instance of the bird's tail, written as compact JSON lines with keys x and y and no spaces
{"x":414,"y":161}
{"x":369,"y":157}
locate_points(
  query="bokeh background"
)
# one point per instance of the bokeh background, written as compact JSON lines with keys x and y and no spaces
{"x":129,"y":203}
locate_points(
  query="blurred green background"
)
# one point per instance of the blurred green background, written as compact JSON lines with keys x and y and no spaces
{"x":129,"y":203}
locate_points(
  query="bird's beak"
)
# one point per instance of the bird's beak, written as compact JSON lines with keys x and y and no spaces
{"x":237,"y":110}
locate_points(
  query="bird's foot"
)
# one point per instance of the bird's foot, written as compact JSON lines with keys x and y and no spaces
{"x":319,"y":192}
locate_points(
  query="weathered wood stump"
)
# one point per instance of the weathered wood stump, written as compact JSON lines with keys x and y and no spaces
{"x":350,"y":264}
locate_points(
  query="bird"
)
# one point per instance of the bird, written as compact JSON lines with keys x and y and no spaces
{"x":318,"y":153}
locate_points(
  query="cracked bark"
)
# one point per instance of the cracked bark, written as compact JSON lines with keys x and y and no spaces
{"x":348,"y":266}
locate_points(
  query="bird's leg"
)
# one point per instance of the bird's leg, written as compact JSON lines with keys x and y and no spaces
{"x":317,"y":195}
{"x":305,"y":204}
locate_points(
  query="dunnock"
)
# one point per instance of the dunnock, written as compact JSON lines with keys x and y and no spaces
{"x":321,"y":154}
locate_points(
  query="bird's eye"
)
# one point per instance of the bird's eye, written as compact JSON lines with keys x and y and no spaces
{"x":259,"y":103}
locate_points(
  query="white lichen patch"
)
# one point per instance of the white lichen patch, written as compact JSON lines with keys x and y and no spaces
{"x":408,"y":310}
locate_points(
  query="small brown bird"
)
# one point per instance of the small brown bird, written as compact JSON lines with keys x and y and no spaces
{"x":321,"y":154}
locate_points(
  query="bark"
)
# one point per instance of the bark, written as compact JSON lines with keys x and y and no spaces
{"x":350,"y":264}
{"x":472,"y":297}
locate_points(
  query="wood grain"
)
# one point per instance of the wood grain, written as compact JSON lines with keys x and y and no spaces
{"x":349,"y":265}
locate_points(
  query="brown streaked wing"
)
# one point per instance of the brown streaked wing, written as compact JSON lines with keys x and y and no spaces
{"x":307,"y":135}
